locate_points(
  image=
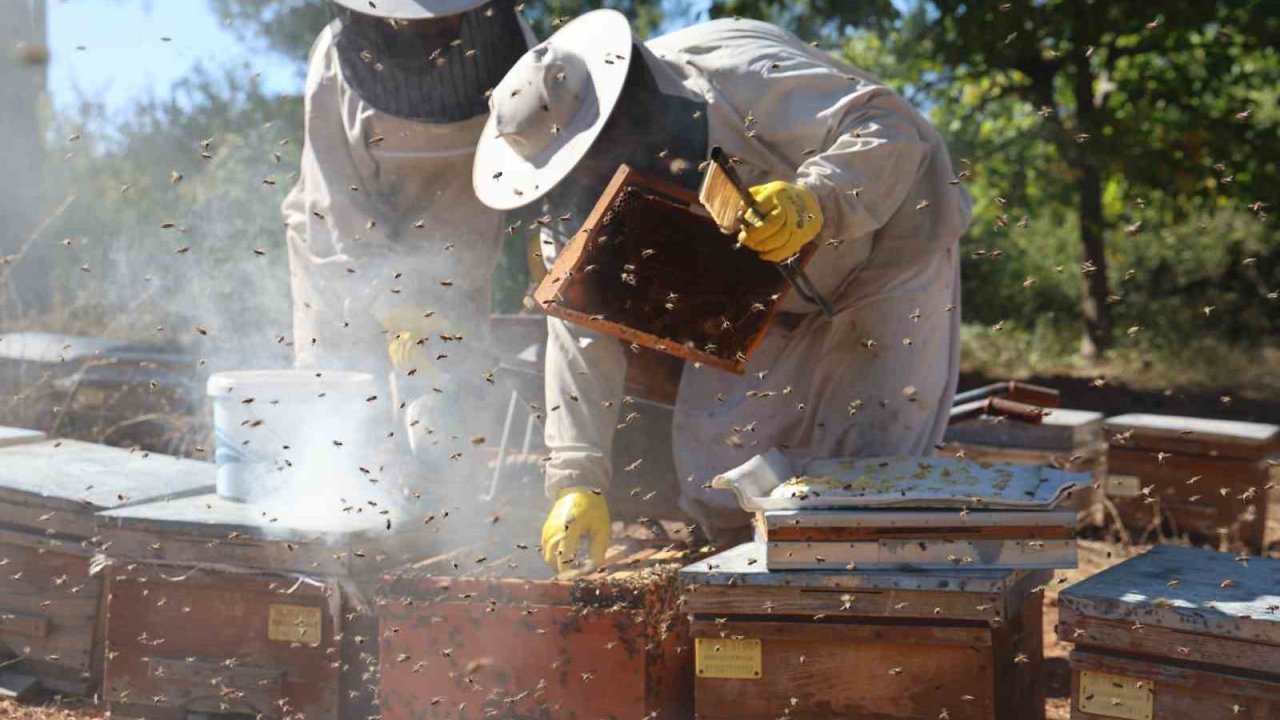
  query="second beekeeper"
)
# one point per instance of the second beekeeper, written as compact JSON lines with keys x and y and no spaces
{"x":834,"y":158}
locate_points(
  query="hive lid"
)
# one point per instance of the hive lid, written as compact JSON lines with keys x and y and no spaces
{"x":1196,"y":436}
{"x":745,"y":565}
{"x":212,"y":515}
{"x":1059,"y":429}
{"x":1138,"y":591}
{"x":18,"y":436}
{"x":209,"y":529}
{"x":771,"y":482}
{"x":55,"y":348}
{"x":84,"y":477}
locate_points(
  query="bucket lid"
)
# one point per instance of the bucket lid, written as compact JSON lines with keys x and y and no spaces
{"x":289,"y":383}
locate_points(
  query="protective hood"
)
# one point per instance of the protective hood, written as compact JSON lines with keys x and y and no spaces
{"x":651,"y":131}
{"x":436,"y":70}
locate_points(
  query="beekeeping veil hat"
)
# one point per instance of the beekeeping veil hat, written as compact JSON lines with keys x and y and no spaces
{"x":549,"y":109}
{"x":410,"y":9}
{"x":436,"y":67}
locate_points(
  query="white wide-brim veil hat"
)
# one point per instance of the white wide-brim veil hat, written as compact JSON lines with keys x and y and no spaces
{"x":549,"y":109}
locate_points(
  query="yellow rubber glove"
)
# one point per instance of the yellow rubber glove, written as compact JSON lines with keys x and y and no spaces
{"x":578,"y":513}
{"x":792,"y":219}
{"x":405,"y":328}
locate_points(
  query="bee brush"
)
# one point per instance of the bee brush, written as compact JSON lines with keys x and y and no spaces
{"x":730,"y":204}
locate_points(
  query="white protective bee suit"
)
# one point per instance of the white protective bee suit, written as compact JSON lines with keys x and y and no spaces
{"x":383,"y":218}
{"x":878,"y":378}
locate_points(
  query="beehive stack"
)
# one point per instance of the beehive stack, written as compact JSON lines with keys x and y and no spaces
{"x":607,"y":644}
{"x":217,"y":608}
{"x":1175,"y":633}
{"x":50,"y":604}
{"x":1214,"y":480}
{"x":825,"y":644}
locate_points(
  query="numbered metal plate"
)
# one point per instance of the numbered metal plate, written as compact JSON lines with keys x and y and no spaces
{"x":1116,"y":696}
{"x":728,"y":658}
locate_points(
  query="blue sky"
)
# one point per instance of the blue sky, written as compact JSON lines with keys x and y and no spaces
{"x":125,"y":60}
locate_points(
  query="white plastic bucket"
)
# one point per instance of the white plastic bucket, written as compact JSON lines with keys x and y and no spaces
{"x":272,"y":425}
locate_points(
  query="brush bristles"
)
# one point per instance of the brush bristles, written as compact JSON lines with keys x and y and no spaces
{"x":721,"y":199}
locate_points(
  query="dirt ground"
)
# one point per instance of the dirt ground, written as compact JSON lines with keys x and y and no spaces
{"x":1094,"y":557}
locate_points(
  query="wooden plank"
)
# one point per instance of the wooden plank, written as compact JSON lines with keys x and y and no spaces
{"x":22,"y":624}
{"x":784,"y":533}
{"x":46,"y":541}
{"x":907,"y":634}
{"x":1182,"y":691}
{"x":919,"y":555}
{"x":855,"y":671}
{"x":1197,"y":494}
{"x":127,"y":545}
{"x":744,"y":565}
{"x":810,"y":602}
{"x":16,"y":686}
{"x":1163,"y":642}
{"x":1187,"y":590}
{"x":1060,"y":431}
{"x":1194,"y":436}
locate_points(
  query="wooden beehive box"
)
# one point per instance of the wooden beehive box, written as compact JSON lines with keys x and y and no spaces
{"x":651,"y":269}
{"x":1175,"y":633}
{"x":1208,"y":479}
{"x":611,"y":644}
{"x":1067,"y":439}
{"x":213,"y":608}
{"x":49,"y":603}
{"x":839,"y":644}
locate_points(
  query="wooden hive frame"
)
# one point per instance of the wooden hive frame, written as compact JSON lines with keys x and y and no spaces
{"x":564,"y":278}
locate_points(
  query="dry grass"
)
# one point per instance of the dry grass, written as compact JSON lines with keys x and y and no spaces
{"x":51,"y":709}
{"x":1197,"y":366}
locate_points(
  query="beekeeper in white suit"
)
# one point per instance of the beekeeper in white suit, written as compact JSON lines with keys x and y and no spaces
{"x":388,"y":246}
{"x":834,"y":157}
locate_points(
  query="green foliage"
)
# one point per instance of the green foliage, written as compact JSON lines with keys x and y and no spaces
{"x":1034,"y":96}
{"x":140,"y":253}
{"x":290,"y":26}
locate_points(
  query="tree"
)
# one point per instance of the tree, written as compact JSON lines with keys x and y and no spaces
{"x":22,"y":86}
{"x":290,"y":26}
{"x":1131,"y":97}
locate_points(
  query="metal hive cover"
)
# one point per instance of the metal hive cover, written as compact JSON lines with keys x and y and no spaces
{"x":745,"y":565}
{"x":1186,"y":589}
{"x":210,"y":514}
{"x":771,"y":482}
{"x":84,"y":477}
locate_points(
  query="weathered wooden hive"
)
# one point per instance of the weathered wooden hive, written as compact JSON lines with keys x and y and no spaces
{"x":215,"y":608}
{"x":611,"y":643}
{"x":1175,"y":633}
{"x":1214,"y":480}
{"x":812,"y":645}
{"x":50,"y":604}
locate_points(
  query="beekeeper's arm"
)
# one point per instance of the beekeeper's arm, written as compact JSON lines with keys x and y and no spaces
{"x":585,"y":379}
{"x":850,"y":188}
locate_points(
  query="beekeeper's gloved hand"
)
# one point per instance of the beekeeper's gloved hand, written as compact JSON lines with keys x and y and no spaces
{"x":792,"y":219}
{"x":578,"y":514}
{"x":407,"y":329}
